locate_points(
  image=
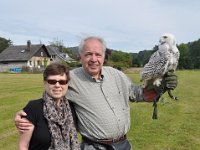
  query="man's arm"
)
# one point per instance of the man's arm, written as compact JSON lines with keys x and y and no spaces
{"x":152,"y":92}
{"x":21,"y":122}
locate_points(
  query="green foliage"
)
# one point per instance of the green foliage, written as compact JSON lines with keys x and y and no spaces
{"x":136,"y":61}
{"x":74,"y":64}
{"x":4,"y":43}
{"x":194,"y":48}
{"x":121,"y":59}
{"x":45,"y":62}
{"x":72,"y":52}
{"x":184,"y":60}
{"x":143,"y":57}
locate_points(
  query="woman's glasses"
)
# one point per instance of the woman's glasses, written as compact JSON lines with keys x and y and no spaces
{"x":61,"y":82}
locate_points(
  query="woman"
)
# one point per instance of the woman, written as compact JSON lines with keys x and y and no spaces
{"x":52,"y":122}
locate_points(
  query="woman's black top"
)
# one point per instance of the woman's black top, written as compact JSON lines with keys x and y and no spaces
{"x":41,"y":137}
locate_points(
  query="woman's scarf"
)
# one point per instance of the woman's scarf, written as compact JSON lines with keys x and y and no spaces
{"x":61,"y":124}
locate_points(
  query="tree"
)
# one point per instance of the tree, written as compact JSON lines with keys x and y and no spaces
{"x":57,"y":43}
{"x":184,"y":60}
{"x":4,"y":43}
{"x":121,"y":59}
{"x":143,"y":56}
{"x":135,"y":61}
{"x":195,"y":53}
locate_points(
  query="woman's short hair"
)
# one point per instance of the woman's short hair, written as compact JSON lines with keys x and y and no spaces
{"x":56,"y":69}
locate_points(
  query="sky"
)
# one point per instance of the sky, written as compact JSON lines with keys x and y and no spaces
{"x":126,"y":25}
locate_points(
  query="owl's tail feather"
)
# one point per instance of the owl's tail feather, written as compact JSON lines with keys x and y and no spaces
{"x":155,"y":110}
{"x":171,"y":96}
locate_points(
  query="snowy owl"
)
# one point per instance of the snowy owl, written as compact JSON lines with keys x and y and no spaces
{"x":163,"y":60}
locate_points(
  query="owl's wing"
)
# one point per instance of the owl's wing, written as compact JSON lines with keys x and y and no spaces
{"x":176,"y":55}
{"x":157,"y":64}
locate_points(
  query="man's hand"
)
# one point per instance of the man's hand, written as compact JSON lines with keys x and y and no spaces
{"x":170,"y":81}
{"x":21,"y":122}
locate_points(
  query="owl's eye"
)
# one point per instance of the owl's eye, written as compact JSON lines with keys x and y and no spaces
{"x":165,"y":37}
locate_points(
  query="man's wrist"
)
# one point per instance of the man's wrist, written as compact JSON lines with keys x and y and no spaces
{"x":151,"y":92}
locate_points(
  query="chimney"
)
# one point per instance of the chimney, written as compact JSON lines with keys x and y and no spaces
{"x":60,"y":48}
{"x":28,"y":45}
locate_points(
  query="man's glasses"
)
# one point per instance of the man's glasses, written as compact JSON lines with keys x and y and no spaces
{"x":61,"y":82}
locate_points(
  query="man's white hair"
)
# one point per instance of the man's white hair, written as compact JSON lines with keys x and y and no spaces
{"x":82,"y":43}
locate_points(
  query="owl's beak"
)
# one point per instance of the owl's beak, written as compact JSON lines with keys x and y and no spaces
{"x":161,"y":42}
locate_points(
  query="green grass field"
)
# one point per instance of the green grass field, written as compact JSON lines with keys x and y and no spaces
{"x":177,"y":126}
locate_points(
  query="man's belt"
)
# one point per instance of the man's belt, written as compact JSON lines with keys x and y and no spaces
{"x":104,"y":141}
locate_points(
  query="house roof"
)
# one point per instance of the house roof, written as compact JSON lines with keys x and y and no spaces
{"x":56,"y":51}
{"x":19,"y":52}
{"x":53,"y":50}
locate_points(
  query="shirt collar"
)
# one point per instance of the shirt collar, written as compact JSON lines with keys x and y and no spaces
{"x":91,"y":77}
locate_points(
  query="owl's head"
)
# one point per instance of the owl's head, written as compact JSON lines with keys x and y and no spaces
{"x":167,"y":38}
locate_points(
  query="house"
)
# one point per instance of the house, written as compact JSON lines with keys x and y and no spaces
{"x":57,"y":54}
{"x":15,"y":57}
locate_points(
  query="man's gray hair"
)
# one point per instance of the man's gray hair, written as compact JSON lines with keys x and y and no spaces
{"x":101,"y":40}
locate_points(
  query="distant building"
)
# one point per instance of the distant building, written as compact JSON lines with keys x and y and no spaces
{"x":16,"y":57}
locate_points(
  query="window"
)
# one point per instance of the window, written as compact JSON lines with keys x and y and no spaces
{"x":41,"y":53}
{"x":22,"y":51}
{"x":39,"y":63}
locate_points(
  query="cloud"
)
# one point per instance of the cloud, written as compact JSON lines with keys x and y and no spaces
{"x":128,"y":25}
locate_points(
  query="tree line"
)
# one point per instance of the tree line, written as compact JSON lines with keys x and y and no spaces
{"x":189,"y":55}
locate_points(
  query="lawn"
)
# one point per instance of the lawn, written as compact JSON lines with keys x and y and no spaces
{"x":177,"y":126}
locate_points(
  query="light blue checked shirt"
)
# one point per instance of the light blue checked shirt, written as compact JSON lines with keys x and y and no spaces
{"x":102,"y":106}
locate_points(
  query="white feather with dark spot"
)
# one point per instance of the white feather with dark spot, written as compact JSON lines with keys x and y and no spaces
{"x":163,"y":60}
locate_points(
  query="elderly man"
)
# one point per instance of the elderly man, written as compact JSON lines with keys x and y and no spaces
{"x":100,"y":96}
